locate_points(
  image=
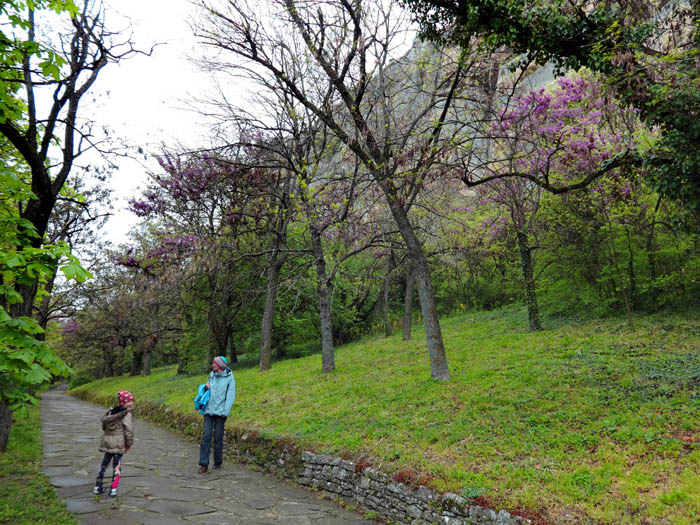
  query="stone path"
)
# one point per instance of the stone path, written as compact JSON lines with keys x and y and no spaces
{"x":160,"y":483}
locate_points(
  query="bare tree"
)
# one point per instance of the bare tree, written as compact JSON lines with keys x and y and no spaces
{"x":358,"y":87}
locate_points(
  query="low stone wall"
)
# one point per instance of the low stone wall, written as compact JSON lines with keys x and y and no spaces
{"x":332,"y":476}
{"x":376,"y":491}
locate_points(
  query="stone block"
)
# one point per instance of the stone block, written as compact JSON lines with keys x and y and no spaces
{"x":482,"y":515}
{"x":347,"y":465}
{"x":413,"y":511}
{"x":375,"y":475}
{"x":424,"y":494}
{"x":365,"y":483}
{"x":455,"y":502}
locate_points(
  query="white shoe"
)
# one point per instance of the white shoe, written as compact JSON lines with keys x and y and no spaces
{"x":98,"y":490}
{"x":113,"y":492}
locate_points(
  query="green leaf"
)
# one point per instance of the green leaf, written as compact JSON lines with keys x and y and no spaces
{"x":50,"y":69}
{"x":73,"y":270}
{"x":15,"y":261}
{"x":36,"y":375}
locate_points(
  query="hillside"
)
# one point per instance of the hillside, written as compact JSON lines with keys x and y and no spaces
{"x":593,"y":421}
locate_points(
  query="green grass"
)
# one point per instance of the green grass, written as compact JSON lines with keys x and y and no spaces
{"x":594,"y":420}
{"x":26,"y":496}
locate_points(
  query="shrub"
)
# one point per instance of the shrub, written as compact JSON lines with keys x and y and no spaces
{"x":80,"y":379}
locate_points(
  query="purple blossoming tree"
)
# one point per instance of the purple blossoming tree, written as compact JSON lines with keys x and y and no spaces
{"x":557,"y":138}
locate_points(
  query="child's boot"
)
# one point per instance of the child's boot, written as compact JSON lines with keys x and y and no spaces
{"x":113,"y":492}
{"x":98,"y":490}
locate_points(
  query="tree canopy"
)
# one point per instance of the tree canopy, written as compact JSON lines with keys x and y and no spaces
{"x":649,"y":52}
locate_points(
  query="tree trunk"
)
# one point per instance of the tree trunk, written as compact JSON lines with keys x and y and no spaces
{"x":324,"y":302}
{"x":24,"y":308}
{"x":274,"y":269}
{"x":433,"y":334}
{"x":533,"y":311}
{"x":273,"y":280}
{"x":181,"y":364}
{"x":388,"y":328}
{"x":213,"y":333}
{"x":38,"y":212}
{"x":213,"y":347}
{"x":136,"y":362}
{"x":5,"y":424}
{"x":226,"y":340}
{"x":631,"y":272}
{"x":232,"y":350}
{"x":147,"y":356}
{"x":408,"y":304}
{"x":651,"y":257}
{"x":42,"y":314}
{"x":118,"y":366}
{"x":152,"y":342}
{"x":219,"y":317}
{"x":148,"y":352}
{"x":616,"y":265}
{"x":107,"y":362}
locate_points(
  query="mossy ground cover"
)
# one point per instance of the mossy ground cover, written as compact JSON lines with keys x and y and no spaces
{"x":596,"y":420}
{"x":26,"y":496}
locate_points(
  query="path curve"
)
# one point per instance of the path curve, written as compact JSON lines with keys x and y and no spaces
{"x":160,"y":484}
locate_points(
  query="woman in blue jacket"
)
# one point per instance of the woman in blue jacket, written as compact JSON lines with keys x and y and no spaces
{"x":222,"y":392}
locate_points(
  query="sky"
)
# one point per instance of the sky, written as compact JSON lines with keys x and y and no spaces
{"x":144,"y":99}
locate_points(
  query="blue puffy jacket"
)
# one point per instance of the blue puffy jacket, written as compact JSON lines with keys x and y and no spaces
{"x":222,"y":393}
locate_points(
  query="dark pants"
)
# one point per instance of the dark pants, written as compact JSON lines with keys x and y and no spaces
{"x":116,"y":460}
{"x":212,"y":425}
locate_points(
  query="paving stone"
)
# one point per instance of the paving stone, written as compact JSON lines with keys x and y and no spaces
{"x":136,"y":517}
{"x":296,"y":494}
{"x":75,"y":492}
{"x":56,"y":472}
{"x":292,"y":508}
{"x":211,"y":518}
{"x":60,"y":461}
{"x":177,"y":508}
{"x":82,"y":506}
{"x":175,"y":493}
{"x":99,"y":519}
{"x":69,"y":481}
{"x":145,"y":481}
{"x":336,"y":520}
{"x":55,"y":449}
{"x":260,"y":501}
{"x":296,"y":520}
{"x":198,"y":486}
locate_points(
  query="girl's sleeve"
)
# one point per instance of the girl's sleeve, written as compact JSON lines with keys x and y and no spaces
{"x":128,"y":430}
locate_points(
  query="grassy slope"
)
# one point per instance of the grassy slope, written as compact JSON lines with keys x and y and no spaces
{"x":26,"y":496}
{"x":595,"y":420}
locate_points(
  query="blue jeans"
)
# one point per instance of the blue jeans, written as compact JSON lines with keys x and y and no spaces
{"x":212,"y":425}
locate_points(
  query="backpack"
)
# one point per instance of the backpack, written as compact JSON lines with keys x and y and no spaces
{"x":201,"y":399}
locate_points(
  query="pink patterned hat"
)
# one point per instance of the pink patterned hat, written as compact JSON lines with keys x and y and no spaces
{"x":124,"y":397}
